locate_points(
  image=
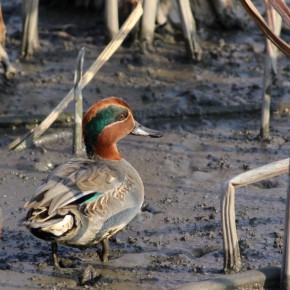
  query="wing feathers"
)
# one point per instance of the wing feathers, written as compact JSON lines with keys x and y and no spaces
{"x":72,"y":182}
{"x":66,"y":199}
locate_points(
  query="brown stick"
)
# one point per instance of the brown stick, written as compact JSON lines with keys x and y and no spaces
{"x":26,"y":141}
{"x":282,"y":9}
{"x":254,"y":13}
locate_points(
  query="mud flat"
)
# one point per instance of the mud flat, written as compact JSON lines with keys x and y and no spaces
{"x":209,"y":113}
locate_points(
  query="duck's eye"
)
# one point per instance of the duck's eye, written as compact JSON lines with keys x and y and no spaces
{"x":122,"y":116}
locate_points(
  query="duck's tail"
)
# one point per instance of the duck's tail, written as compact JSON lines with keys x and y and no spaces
{"x":48,"y":227}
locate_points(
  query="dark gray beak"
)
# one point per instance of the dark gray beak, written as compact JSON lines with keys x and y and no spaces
{"x":143,"y":131}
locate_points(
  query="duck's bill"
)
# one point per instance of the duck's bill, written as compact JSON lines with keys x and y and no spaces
{"x":143,"y":131}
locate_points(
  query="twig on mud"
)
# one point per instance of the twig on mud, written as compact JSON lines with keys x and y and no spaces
{"x":77,"y":137}
{"x":27,"y":141}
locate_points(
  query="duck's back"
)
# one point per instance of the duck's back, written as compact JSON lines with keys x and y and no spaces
{"x":83,"y":201}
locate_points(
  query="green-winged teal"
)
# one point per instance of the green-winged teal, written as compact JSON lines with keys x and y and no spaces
{"x":86,"y":201}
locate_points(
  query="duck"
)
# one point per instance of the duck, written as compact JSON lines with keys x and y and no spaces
{"x":86,"y":201}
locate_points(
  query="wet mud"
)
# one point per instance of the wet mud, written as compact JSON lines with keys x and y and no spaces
{"x":209,"y":113}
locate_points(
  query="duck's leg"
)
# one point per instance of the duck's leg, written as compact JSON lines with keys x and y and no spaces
{"x":54,"y":248}
{"x":104,"y":254}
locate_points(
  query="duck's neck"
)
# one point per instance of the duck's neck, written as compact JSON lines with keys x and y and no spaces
{"x":109,"y":152}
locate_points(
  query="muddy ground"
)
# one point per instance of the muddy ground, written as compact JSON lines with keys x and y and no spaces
{"x":210,"y":115}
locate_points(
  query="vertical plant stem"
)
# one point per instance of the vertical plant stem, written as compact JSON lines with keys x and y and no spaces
{"x":30,"y":38}
{"x":285,"y":269}
{"x":266,"y":99}
{"x":193,"y":48}
{"x":77,"y":137}
{"x":112,"y":18}
{"x":148,"y":21}
{"x":270,"y":69}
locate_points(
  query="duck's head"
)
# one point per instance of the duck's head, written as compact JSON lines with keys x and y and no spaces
{"x":105,"y":123}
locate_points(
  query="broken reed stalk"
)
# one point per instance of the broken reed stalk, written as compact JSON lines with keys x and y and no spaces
{"x":30,"y":38}
{"x":27,"y":141}
{"x":193,"y":48}
{"x":78,"y":116}
{"x":148,"y":21}
{"x":112,"y":18}
{"x":285,"y":269}
{"x":270,"y":69}
{"x":254,"y":13}
{"x":232,"y":257}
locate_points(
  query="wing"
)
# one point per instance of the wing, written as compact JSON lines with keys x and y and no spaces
{"x":73,"y":183}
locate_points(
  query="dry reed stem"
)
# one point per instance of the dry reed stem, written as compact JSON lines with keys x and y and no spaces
{"x":78,"y":116}
{"x":232,"y":258}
